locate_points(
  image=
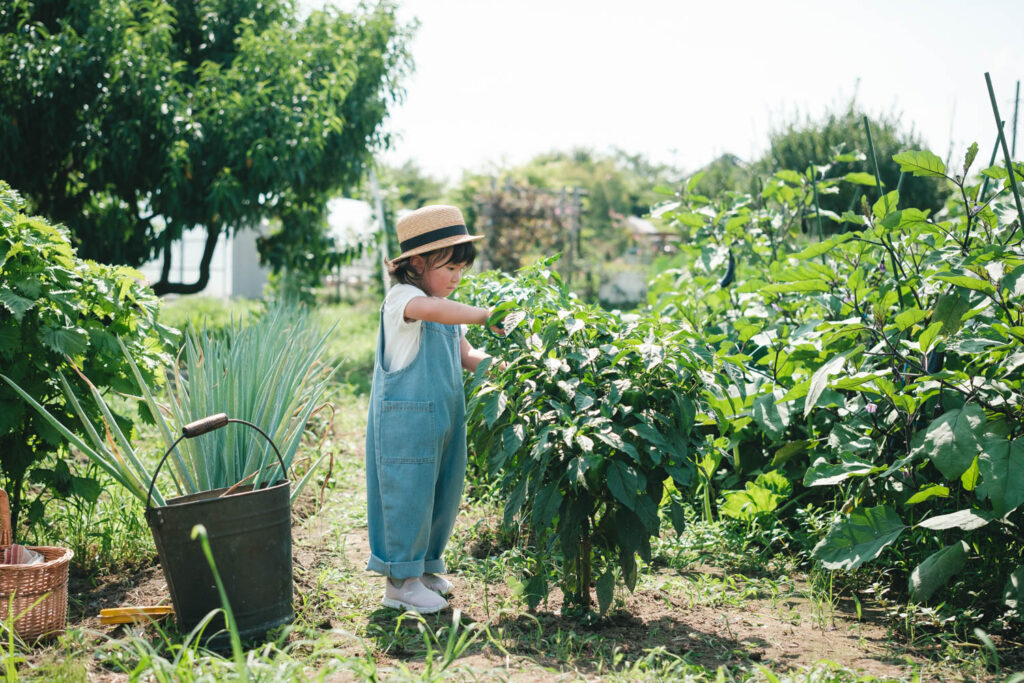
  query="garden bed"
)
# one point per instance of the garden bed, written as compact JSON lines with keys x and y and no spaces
{"x":690,"y":621}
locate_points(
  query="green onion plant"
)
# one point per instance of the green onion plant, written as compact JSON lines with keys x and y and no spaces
{"x":270,"y":371}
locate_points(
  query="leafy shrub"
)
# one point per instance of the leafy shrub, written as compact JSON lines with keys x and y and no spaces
{"x":57,"y":312}
{"x":588,"y":431}
{"x":801,"y":144}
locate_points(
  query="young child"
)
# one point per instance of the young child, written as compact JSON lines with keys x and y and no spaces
{"x":416,"y":427}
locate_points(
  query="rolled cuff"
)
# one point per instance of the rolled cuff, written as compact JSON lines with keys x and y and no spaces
{"x":405,"y":570}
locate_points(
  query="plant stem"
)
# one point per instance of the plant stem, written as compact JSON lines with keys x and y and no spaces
{"x":882,"y":196}
{"x":585,"y":569}
{"x":229,"y":616}
{"x":991,"y":163}
{"x":853,"y":205}
{"x":1006,"y":155}
{"x":817,"y":206}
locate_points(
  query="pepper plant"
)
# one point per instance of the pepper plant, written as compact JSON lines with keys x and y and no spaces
{"x":587,"y":428}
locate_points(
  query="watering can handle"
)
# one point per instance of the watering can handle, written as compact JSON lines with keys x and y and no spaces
{"x":202,"y":426}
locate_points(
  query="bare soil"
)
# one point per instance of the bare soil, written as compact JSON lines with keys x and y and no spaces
{"x":783,"y":636}
{"x":786,"y":634}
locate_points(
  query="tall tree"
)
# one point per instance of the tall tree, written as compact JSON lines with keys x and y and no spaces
{"x":131,"y":121}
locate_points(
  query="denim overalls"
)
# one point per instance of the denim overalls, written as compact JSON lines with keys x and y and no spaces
{"x":415,"y":454}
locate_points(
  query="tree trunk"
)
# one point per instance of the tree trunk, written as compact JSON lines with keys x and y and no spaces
{"x":165,"y":269}
{"x":165,"y":287}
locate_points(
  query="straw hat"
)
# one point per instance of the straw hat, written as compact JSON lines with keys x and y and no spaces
{"x":431,"y":227}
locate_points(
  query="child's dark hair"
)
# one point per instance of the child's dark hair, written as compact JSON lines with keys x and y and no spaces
{"x":402,"y":271}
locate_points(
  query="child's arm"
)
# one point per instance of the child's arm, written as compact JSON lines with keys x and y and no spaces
{"x":437,"y":310}
{"x":447,"y":312}
{"x":471,"y":357}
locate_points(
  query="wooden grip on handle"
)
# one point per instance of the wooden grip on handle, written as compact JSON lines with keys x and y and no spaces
{"x":204,"y":425}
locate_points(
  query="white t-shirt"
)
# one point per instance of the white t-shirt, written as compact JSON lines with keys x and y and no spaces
{"x":401,"y":337}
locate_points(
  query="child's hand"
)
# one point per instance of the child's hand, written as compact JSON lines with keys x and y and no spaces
{"x":503,"y":321}
{"x":496,"y":320}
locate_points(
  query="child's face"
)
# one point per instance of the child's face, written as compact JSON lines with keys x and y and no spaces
{"x":440,"y":281}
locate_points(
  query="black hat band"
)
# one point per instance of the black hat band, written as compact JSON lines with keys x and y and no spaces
{"x":432,"y":236}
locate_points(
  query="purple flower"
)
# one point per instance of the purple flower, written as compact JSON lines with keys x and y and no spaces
{"x":871,"y":408}
{"x":881,"y":267}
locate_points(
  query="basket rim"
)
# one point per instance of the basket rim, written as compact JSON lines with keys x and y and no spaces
{"x":65,"y":557}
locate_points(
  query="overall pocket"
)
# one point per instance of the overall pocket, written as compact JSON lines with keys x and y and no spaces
{"x":408,"y":432}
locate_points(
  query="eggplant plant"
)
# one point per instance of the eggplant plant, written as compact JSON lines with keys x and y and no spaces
{"x":879,"y":370}
{"x":587,"y":429}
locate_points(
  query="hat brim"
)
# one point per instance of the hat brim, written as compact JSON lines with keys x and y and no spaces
{"x":439,"y":244}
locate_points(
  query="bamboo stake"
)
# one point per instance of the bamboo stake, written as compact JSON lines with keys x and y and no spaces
{"x":382,"y":228}
{"x":1006,"y":154}
{"x":881,"y":192}
{"x":874,"y":160}
{"x":1016,"y":108}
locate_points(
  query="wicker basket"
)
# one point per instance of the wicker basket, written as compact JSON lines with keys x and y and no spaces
{"x":30,"y":582}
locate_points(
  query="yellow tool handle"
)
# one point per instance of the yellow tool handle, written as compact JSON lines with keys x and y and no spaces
{"x":130,"y":615}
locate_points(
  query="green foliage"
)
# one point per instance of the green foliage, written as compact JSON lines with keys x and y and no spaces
{"x":212,"y":313}
{"x":268,"y":372}
{"x":838,"y":144}
{"x":727,"y":173}
{"x":132,"y":122}
{"x":58,"y":313}
{"x":759,"y":498}
{"x":614,"y":185}
{"x":860,"y":537}
{"x":611,"y":188}
{"x":521,"y":223}
{"x":406,"y":187}
{"x":878,"y":369}
{"x":587,"y":430}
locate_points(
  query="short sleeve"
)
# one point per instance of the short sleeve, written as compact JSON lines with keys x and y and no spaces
{"x":397,"y":299}
{"x":401,"y":337}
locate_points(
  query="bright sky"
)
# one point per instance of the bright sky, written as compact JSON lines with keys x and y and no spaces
{"x":683,"y":82}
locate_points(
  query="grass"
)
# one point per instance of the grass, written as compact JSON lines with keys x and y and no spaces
{"x":216,"y":313}
{"x":709,"y":607}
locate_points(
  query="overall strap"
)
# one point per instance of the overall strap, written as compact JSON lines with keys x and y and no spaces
{"x":379,"y":354}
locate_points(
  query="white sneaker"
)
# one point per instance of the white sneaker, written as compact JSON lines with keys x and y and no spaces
{"x":413,"y":595}
{"x":437,"y":583}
